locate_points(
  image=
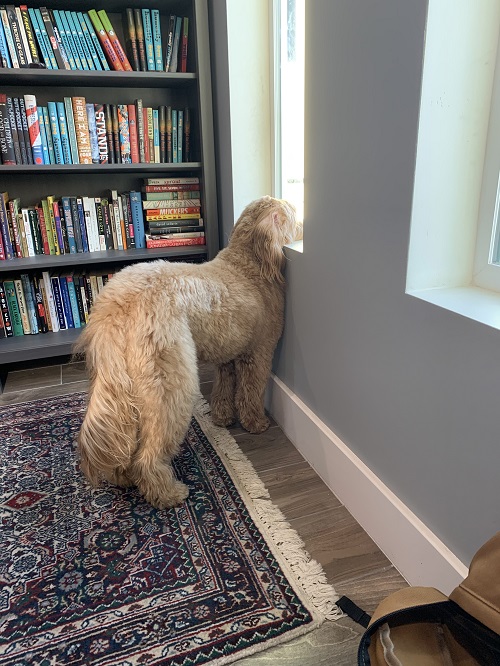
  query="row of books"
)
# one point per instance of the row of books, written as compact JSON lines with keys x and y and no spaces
{"x":61,"y":39}
{"x":39,"y":303}
{"x":75,"y":131}
{"x":71,"y":224}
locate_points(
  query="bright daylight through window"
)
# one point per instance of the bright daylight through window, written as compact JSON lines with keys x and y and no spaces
{"x":289,"y":73}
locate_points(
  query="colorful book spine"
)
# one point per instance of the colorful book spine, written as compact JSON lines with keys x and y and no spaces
{"x":13,"y":130}
{"x":24,"y":124}
{"x":56,"y":291}
{"x":184,"y":43}
{"x":65,"y":38}
{"x":7,"y":152}
{"x":109,"y":134}
{"x":124,"y":132}
{"x":180,"y":133}
{"x":65,"y":28}
{"x":43,"y":136}
{"x":174,"y":62}
{"x":81,"y":221}
{"x":21,"y":300}
{"x":66,"y":205}
{"x":156,"y":30}
{"x":13,"y":321}
{"x":34,"y":128}
{"x":26,"y":34}
{"x":83,"y":42}
{"x":174,"y":136}
{"x":170,"y":42}
{"x":94,"y":62}
{"x":82,"y":130}
{"x":56,"y":221}
{"x":9,"y":38}
{"x":96,"y":44}
{"x":25,"y":148}
{"x":137,"y":219}
{"x":46,"y":39}
{"x":153,"y":242}
{"x":66,"y":303}
{"x":16,"y":32}
{"x":156,"y":137}
{"x":162,"y":128}
{"x":40,"y":218}
{"x":116,"y":133}
{"x":4,"y":226}
{"x":140,"y":130}
{"x":148,"y":40}
{"x":169,"y":134}
{"x":56,"y":134}
{"x":70,"y":122}
{"x":42,"y":46}
{"x":80,"y":59}
{"x":73,"y":301}
{"x":61,"y":59}
{"x":150,"y":127}
{"x":30,"y":303}
{"x":60,"y":44}
{"x":43,"y":114}
{"x":141,"y":47}
{"x":131,"y":39}
{"x":76,"y":224}
{"x":5,"y":60}
{"x":64,"y":131}
{"x":113,"y":38}
{"x":94,"y":147}
{"x":105,"y":41}
{"x":100,"y":124}
{"x":134,"y":140}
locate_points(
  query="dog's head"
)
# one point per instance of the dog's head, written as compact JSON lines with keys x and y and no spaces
{"x":264,"y":228}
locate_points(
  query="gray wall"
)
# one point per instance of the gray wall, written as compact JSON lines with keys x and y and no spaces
{"x":412,"y":389}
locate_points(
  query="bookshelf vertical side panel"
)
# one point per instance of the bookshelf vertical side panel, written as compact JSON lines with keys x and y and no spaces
{"x":206,"y":126}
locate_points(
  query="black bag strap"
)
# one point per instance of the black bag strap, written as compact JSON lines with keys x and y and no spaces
{"x":353,"y":611}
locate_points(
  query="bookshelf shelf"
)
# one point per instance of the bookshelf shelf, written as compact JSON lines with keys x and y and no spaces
{"x":63,"y":77}
{"x":32,"y":183}
{"x":98,"y":169}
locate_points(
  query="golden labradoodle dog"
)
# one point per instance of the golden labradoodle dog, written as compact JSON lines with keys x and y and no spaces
{"x":148,"y":327}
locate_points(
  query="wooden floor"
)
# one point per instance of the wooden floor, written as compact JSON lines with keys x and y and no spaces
{"x":351,"y":560}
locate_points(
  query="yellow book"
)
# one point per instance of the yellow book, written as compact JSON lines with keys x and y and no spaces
{"x":50,"y":223}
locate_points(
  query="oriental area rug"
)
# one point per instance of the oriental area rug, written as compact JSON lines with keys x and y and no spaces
{"x":98,"y":576}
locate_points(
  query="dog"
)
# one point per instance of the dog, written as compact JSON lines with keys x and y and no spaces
{"x":148,"y":328}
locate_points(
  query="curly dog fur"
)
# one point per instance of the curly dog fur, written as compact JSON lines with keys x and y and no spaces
{"x":150,"y":325}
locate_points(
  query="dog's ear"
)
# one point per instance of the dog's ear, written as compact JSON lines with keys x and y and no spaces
{"x":269,"y":236}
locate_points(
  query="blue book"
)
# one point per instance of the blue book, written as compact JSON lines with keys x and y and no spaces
{"x":148,"y":40}
{"x":83,"y":41}
{"x":174,"y":135}
{"x":74,"y":33}
{"x":180,"y":132}
{"x":70,"y":122}
{"x":66,"y":303}
{"x":72,"y":300}
{"x":94,"y":148}
{"x":39,"y":38}
{"x":30,"y":303}
{"x":46,"y":39}
{"x":56,"y":292}
{"x":81,"y":222}
{"x":156,"y":29}
{"x":56,"y":135}
{"x":96,"y":43}
{"x":48,"y":134}
{"x":43,"y":136}
{"x":64,"y":38}
{"x":63,"y":129}
{"x":70,"y":40}
{"x":137,"y":219}
{"x":66,"y":206}
{"x":4,"y":49}
{"x":88,"y":41}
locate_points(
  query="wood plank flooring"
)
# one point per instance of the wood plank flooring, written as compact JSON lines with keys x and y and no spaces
{"x":351,"y":560}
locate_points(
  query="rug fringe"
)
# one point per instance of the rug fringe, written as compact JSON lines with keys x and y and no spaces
{"x":290,"y":547}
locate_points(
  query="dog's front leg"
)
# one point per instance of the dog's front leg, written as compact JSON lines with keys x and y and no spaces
{"x":222,"y":401}
{"x":252,"y":374}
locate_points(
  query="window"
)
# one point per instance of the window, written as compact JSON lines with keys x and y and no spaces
{"x":289,"y":101}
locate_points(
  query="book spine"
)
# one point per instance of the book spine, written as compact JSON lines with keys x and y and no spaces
{"x":79,"y":300}
{"x":50,"y":300}
{"x":7,"y":152}
{"x":117,"y":220}
{"x":63,"y":129}
{"x":94,"y":147}
{"x":10,"y":309}
{"x":80,"y":59}
{"x":137,"y":219}
{"x":180,"y":132}
{"x":92,"y":57}
{"x":76,"y":224}
{"x":109,"y":134}
{"x":43,"y":230}
{"x":134,"y":141}
{"x":49,"y":29}
{"x":15,"y":29}
{"x":23,"y":308}
{"x":65,"y":28}
{"x":178,"y":235}
{"x":24,"y":124}
{"x":96,"y":44}
{"x":105,"y":42}
{"x":35,"y":231}
{"x":64,"y":37}
{"x":179,"y":212}
{"x":107,"y":224}
{"x":150,"y":134}
{"x":43,"y":114}
{"x":81,"y":220}
{"x":141,"y":46}
{"x":60,"y":43}
{"x":17,"y":245}
{"x":174,"y":136}
{"x":56,"y":135}
{"x":50,"y":223}
{"x":5,"y":61}
{"x":30,"y":303}
{"x":9,"y":38}
{"x":124,"y":133}
{"x":156,"y":32}
{"x":46,"y":39}
{"x":171,"y":196}
{"x":152,"y":215}
{"x":13,"y":130}
{"x":4,"y":227}
{"x":162,"y":123}
{"x":116,"y":133}
{"x":41,"y":287}
{"x":42,"y":46}
{"x":27,"y":32}
{"x":140,"y":130}
{"x":148,"y":39}
{"x":56,"y":221}
{"x":63,"y":288}
{"x":34,"y":128}
{"x":184,"y":43}
{"x":91,"y":224}
{"x":73,"y":301}
{"x":100,"y":223}
{"x":20,"y":131}
{"x":124,"y":226}
{"x":66,"y":205}
{"x":131,"y":39}
{"x":113,"y":38}
{"x":127,"y":217}
{"x":170,"y":42}
{"x":174,"y":204}
{"x":82,"y":130}
{"x":175,"y":46}
{"x":184,"y":180}
{"x":156,"y":137}
{"x":100,"y":126}
{"x":173,"y":242}
{"x":187,"y":135}
{"x":41,"y":312}
{"x":70,"y":123}
{"x":56,"y":290}
{"x":83,"y":42}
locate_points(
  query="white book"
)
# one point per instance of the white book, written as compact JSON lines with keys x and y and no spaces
{"x":117,"y":219}
{"x":92,"y":232}
{"x":50,"y":300}
{"x":23,"y":35}
{"x":27,"y":231}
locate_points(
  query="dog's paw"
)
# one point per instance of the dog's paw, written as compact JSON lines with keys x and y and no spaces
{"x":255,"y":425}
{"x":223,"y":421}
{"x":173,"y":495}
{"x":223,"y":413}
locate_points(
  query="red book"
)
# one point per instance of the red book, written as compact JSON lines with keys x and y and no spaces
{"x":106,"y":44}
{"x":15,"y":228}
{"x":184,"y":44}
{"x":146,"y":139}
{"x":173,"y":242}
{"x":134,"y":139}
{"x":117,"y":47}
{"x":194,"y":187}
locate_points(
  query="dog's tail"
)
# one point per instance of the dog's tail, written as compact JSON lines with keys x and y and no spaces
{"x":108,"y":435}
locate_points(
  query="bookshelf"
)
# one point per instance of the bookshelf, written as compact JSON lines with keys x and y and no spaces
{"x":191,"y":89}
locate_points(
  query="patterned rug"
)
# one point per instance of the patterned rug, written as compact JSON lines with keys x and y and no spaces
{"x":100,"y":577}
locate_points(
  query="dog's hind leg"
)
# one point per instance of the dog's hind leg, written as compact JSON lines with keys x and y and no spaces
{"x":252,"y":374}
{"x":166,"y":389}
{"x":222,"y":400}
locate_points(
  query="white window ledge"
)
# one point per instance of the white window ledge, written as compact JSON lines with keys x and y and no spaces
{"x":472,"y":302}
{"x":296,"y":246}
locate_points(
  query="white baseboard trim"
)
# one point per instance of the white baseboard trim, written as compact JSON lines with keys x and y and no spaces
{"x":409,"y":544}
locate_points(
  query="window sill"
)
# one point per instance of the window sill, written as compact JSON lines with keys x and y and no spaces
{"x":296,"y":246}
{"x":472,"y":302}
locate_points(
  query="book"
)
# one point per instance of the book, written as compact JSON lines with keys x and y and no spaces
{"x":70,"y":122}
{"x":124,"y":133}
{"x":162,"y":128}
{"x":82,"y":225}
{"x":55,"y":221}
{"x":187,"y":135}
{"x":127,"y":216}
{"x":82,"y":130}
{"x":52,"y":312}
{"x":113,"y":38}
{"x":149,"y":204}
{"x":60,"y":43}
{"x":116,"y":133}
{"x":170,"y":210}
{"x":156,"y":31}
{"x":152,"y":215}
{"x":94,"y":146}
{"x":40,"y":40}
{"x":168,"y":181}
{"x":174,"y":136}
{"x":141,"y":46}
{"x":4,"y":309}
{"x":34,"y":228}
{"x":96,"y":43}
{"x":156,"y":137}
{"x":178,"y":235}
{"x":29,"y":33}
{"x":40,"y":218}
{"x":105,"y":41}
{"x":180,"y":133}
{"x":50,"y":224}
{"x":175,"y":45}
{"x":72,"y":299}
{"x":72,"y":27}
{"x":83,"y":41}
{"x":23,"y":307}
{"x":56,"y":135}
{"x":12,"y":322}
{"x":169,"y":134}
{"x":148,"y":133}
{"x":175,"y":231}
{"x":23,"y":136}
{"x":29,"y":298}
{"x":134,"y":139}
{"x":60,"y":57}
{"x":140,"y":130}
{"x":100,"y":124}
{"x":14,"y":205}
{"x":34,"y":128}
{"x":89,"y":49}
{"x":137,"y":219}
{"x":4,"y":226}
{"x":184,"y":43}
{"x":16,"y":32}
{"x":46,"y":39}
{"x":7,"y":152}
{"x":152,"y":242}
{"x":66,"y":37}
{"x":43,"y":114}
{"x":66,"y":206}
{"x":75,"y":218}
{"x":58,"y":303}
{"x":148,"y":39}
{"x":64,"y":133}
{"x":41,"y":313}
{"x":131,"y":39}
{"x":109,"y":134}
{"x":13,"y":130}
{"x":9,"y":38}
{"x":170,"y":42}
{"x":185,"y":190}
{"x":5,"y":61}
{"x":24,"y":124}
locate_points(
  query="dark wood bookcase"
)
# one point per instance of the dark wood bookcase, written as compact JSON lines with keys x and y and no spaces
{"x":192,"y":89}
